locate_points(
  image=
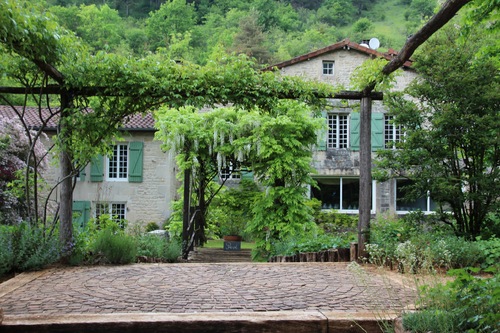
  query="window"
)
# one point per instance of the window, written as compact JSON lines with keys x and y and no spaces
{"x":230,"y":172}
{"x":328,"y":67}
{"x":117,"y":163}
{"x":404,"y":204}
{"x":125,"y":163}
{"x":392,"y":133}
{"x":340,"y":193}
{"x":338,"y":131}
{"x":115,"y":210}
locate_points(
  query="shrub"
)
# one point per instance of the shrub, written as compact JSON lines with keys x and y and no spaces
{"x":115,"y":247}
{"x":25,"y":247}
{"x":310,"y":242}
{"x":173,"y":251}
{"x":158,"y":247}
{"x":151,"y":226}
{"x":465,"y":304}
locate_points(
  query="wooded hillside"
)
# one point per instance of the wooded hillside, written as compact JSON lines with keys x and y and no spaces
{"x":270,"y":31}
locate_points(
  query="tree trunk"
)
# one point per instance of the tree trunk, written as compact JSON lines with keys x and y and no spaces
{"x":365,"y":175}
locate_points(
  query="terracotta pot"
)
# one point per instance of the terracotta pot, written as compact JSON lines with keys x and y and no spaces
{"x":232,"y":238}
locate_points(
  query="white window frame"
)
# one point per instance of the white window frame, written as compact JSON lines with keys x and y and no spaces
{"x":120,"y":175}
{"x":392,"y":133}
{"x":341,"y":209}
{"x":428,"y":202}
{"x":328,"y":67}
{"x":110,"y":208}
{"x":230,"y":172}
{"x":338,"y":136}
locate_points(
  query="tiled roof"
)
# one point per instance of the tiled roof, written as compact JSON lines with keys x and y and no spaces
{"x":34,"y":117}
{"x":344,"y":44}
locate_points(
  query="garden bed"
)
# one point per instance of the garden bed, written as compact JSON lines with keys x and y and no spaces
{"x":330,"y":255}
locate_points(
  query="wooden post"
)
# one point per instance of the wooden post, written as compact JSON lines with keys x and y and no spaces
{"x":185,"y":214}
{"x":66,"y":194}
{"x":365,"y":175}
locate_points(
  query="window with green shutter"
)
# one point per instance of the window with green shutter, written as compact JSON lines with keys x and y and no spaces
{"x":246,"y":174}
{"x":131,"y":166}
{"x":354,"y":135}
{"x":82,"y":174}
{"x":322,"y":133}
{"x":136,"y":162}
{"x":97,"y":169}
{"x":377,"y":131}
{"x":377,"y":135}
{"x":81,"y":212}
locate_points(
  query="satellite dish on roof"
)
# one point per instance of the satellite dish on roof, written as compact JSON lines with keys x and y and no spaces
{"x":374,"y":43}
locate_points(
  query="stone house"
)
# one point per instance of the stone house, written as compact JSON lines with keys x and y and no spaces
{"x":336,"y":159}
{"x":137,"y":183}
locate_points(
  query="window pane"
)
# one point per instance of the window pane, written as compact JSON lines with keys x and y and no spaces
{"x":101,"y":209}
{"x":350,"y":193}
{"x":392,"y":133}
{"x":118,"y":162}
{"x":230,"y":172}
{"x":327,"y":67}
{"x":405,"y":204}
{"x":338,"y":131}
{"x":328,"y":193}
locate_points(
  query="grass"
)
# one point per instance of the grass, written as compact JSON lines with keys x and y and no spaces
{"x":219,"y":244}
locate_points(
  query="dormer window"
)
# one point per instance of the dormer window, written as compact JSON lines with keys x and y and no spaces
{"x":328,"y":67}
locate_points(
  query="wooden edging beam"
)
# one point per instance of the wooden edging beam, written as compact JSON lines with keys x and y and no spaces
{"x":314,"y":321}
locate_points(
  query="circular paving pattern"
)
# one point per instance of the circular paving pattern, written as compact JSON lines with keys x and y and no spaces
{"x":188,"y":288}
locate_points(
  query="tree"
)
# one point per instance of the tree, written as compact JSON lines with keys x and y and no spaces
{"x":173,"y":17}
{"x":250,"y":40}
{"x":121,"y":86}
{"x":336,"y":12}
{"x":452,"y":130}
{"x":275,"y":144}
{"x":101,"y":27}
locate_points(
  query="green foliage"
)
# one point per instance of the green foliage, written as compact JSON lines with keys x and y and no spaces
{"x":85,"y":238}
{"x":370,"y":73}
{"x":309,"y":242}
{"x":115,"y":247}
{"x":231,"y":209}
{"x":151,"y":226}
{"x":173,"y":17}
{"x":490,"y":253}
{"x":332,"y":221}
{"x":24,"y":247}
{"x":451,"y":130}
{"x":158,"y":247}
{"x":431,"y":321}
{"x":416,"y":243}
{"x":465,"y":304}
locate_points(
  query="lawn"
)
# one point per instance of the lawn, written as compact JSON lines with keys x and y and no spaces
{"x":219,"y":244}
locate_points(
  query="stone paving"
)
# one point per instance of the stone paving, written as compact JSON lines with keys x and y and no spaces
{"x":203,"y":288}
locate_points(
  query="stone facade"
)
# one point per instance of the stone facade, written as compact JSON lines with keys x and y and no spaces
{"x":146,"y":201}
{"x":337,"y":168}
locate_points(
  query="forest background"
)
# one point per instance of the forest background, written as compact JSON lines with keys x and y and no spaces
{"x":268,"y":30}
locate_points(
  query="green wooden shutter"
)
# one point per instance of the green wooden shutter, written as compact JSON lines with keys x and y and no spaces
{"x":246,"y":174}
{"x":82,"y":174}
{"x":322,"y":133}
{"x":135,"y":162}
{"x":81,"y":212}
{"x":354,"y":138}
{"x":96,"y":169}
{"x":377,"y":131}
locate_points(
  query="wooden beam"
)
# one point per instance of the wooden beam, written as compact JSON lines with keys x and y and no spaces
{"x":97,"y":91}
